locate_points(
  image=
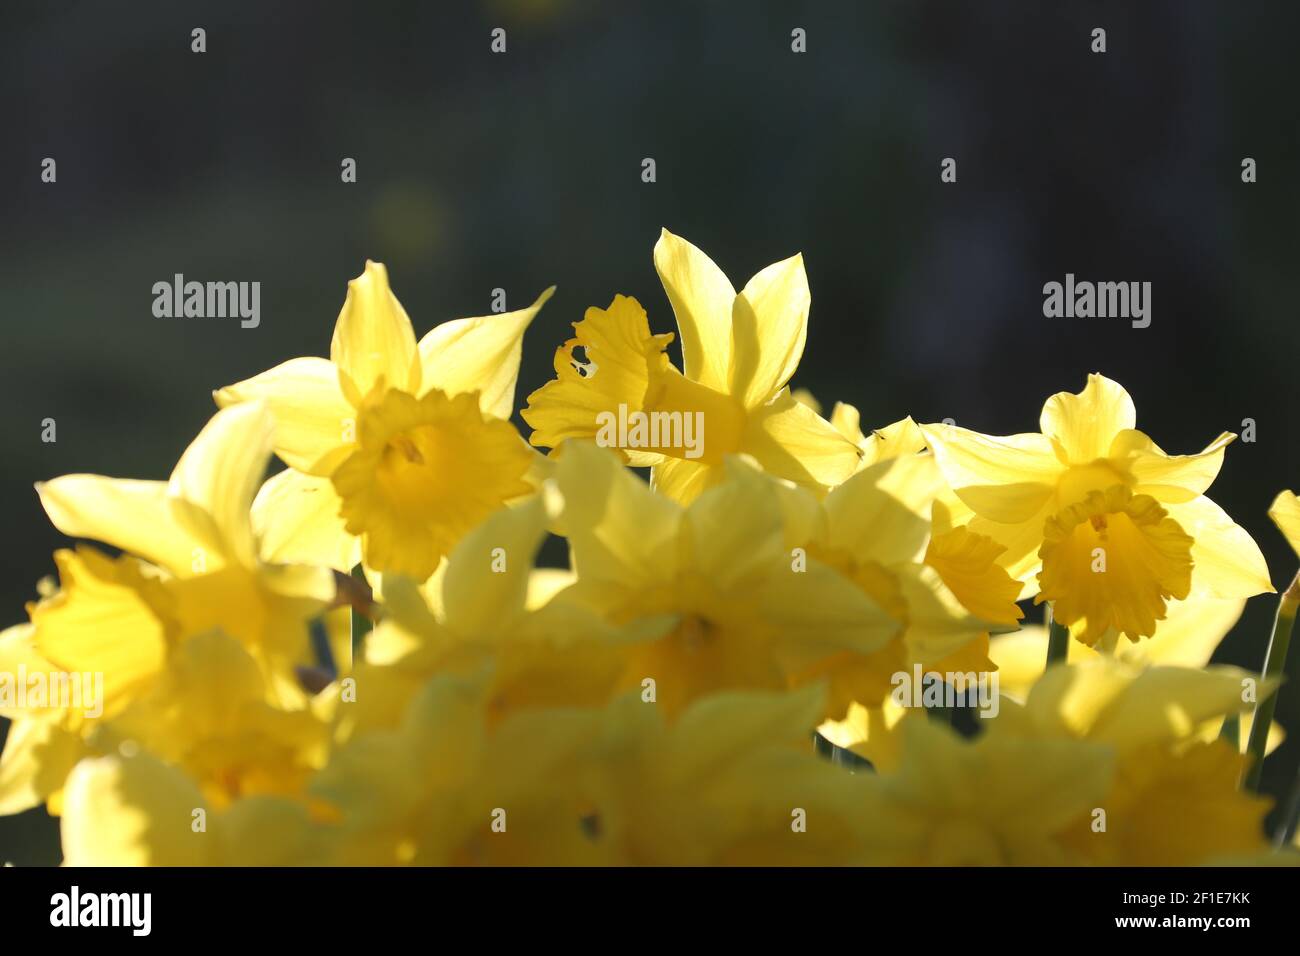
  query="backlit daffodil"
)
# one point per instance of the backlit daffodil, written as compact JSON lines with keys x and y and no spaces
{"x":1111,"y":525}
{"x":942,"y":584}
{"x":474,"y":615}
{"x":739,"y":351}
{"x":196,"y":529}
{"x":1174,"y":799}
{"x":750,"y":615}
{"x":397,"y":448}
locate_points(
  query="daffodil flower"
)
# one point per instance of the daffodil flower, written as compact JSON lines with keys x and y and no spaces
{"x":481,"y":611}
{"x":997,"y":800}
{"x":752,"y":614}
{"x":739,"y":351}
{"x":942,"y":584}
{"x":196,"y":528}
{"x":1175,"y":798}
{"x":1111,"y":525}
{"x":396,"y":448}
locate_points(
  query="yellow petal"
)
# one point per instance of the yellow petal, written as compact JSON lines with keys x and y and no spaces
{"x":221,"y":471}
{"x":1114,"y":561}
{"x":38,"y":756}
{"x":805,"y":397}
{"x":136,"y":516}
{"x":702,"y":299}
{"x":486,"y":581}
{"x":846,"y":420}
{"x":683,"y":481}
{"x":1169,"y":478}
{"x":622,"y":534}
{"x":479,"y":354}
{"x":901,"y":438}
{"x":1285,"y":513}
{"x":769,"y":324}
{"x":297,"y":520}
{"x":1005,"y":479}
{"x":373,"y":338}
{"x":792,"y":441}
{"x":1229,"y":563}
{"x":313,"y":421}
{"x":1084,"y":425}
{"x":131,"y":812}
{"x":1111,"y":702}
{"x":881,"y":513}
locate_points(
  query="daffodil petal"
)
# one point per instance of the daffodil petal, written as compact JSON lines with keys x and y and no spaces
{"x":1169,"y":478}
{"x":38,"y":756}
{"x":792,"y":441}
{"x":373,"y":338}
{"x":1228,"y":562}
{"x":313,"y":421}
{"x":221,"y":471}
{"x":622,"y":534}
{"x":131,"y":812}
{"x":682,"y":481}
{"x":1084,"y":424}
{"x":136,"y":516}
{"x":769,"y":325}
{"x":486,"y":581}
{"x":882,"y":513}
{"x":702,"y":299}
{"x":479,"y":354}
{"x":1005,"y":479}
{"x":296,"y":518}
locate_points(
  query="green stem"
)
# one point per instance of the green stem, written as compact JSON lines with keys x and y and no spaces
{"x":1290,"y":815}
{"x":1274,"y":669}
{"x":1058,"y":640}
{"x":361,"y":625}
{"x":1231,"y":731}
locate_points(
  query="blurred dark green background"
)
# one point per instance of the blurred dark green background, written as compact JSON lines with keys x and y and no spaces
{"x":478,"y":171}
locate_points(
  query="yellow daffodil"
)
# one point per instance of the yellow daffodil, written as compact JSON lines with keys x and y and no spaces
{"x":475,"y":615}
{"x":208,"y":714}
{"x":751,"y":614}
{"x":733,"y":781}
{"x":739,"y":351}
{"x":396,"y":448}
{"x":1112,"y":526}
{"x":997,"y":800}
{"x":444,"y":788}
{"x":1175,"y":799}
{"x":196,"y":529}
{"x":941,"y":584}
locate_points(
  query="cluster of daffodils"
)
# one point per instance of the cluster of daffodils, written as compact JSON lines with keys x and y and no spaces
{"x":359,"y":661}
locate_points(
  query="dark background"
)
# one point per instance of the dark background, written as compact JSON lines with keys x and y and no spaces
{"x":478,"y":171}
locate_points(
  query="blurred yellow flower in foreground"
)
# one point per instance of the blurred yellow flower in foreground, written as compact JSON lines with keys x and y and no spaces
{"x":196,"y":529}
{"x":750,"y":615}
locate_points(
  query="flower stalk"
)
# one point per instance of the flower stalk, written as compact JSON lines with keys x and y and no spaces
{"x":1274,"y":670}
